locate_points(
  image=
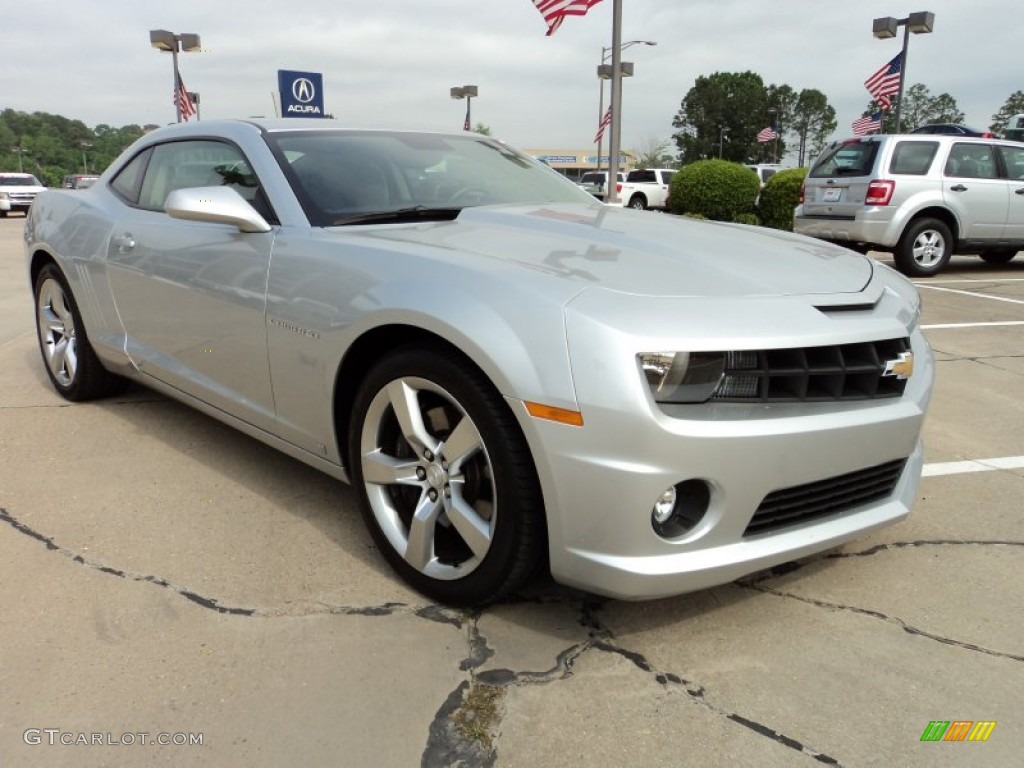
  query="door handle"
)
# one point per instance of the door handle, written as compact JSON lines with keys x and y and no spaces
{"x":1019,"y":191}
{"x":124,"y":242}
{"x":958,"y":188}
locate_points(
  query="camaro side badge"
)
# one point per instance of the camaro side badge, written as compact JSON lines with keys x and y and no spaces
{"x":902,"y":367}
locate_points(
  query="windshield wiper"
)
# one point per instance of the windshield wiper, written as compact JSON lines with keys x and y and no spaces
{"x":413,"y":213}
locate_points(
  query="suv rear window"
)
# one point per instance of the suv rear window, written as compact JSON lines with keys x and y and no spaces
{"x":854,"y":158}
{"x":913,"y":157}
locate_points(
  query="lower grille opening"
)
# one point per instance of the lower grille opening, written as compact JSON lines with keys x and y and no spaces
{"x":801,"y":503}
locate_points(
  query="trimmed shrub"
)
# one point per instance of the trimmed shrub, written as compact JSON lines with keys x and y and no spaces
{"x":747,"y":218}
{"x":716,"y":189}
{"x":781,"y":194}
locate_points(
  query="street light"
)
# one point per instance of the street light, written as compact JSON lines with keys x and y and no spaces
{"x":604,"y":72}
{"x":722,"y":133}
{"x":18,"y":150}
{"x":165,"y":41}
{"x":85,"y":145}
{"x":466,"y":92}
{"x":919,"y":23}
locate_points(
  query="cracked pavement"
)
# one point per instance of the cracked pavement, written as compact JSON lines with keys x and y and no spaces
{"x":163,"y":573}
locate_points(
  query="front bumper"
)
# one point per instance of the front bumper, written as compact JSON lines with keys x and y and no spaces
{"x":602,"y":480}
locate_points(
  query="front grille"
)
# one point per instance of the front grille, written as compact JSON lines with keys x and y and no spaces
{"x":808,"y":374}
{"x":801,"y":503}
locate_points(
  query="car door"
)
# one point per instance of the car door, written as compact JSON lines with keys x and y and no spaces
{"x":192,"y":295}
{"x":1013,"y":160}
{"x":973,"y":188}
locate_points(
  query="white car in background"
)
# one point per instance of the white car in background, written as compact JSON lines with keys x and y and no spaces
{"x":17,"y":192}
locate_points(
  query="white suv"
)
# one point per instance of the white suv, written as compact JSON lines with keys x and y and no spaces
{"x":17,"y":191}
{"x":922,"y":197}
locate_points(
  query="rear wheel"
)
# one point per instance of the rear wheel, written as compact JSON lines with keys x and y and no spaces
{"x":925,"y":248}
{"x":71,"y":363}
{"x":445,"y":479}
{"x":997,"y":257}
{"x":638,"y":202}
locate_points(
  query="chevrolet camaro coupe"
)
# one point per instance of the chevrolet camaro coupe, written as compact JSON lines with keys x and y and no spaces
{"x":512,"y":375}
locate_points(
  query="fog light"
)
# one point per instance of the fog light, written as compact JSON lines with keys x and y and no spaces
{"x":664,"y":507}
{"x":680,"y":508}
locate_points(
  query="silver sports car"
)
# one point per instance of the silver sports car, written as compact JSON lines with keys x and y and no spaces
{"x":511,"y":374}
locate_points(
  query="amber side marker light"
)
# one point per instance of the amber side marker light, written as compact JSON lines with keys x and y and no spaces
{"x":549,"y":412}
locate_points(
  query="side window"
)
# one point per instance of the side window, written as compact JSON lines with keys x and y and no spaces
{"x":1014,"y":159}
{"x":913,"y":158}
{"x":971,"y":161}
{"x":666,"y":177}
{"x":184,"y":164}
{"x":128,"y":181}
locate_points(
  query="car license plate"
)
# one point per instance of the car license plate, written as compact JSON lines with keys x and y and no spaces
{"x":831,"y":195}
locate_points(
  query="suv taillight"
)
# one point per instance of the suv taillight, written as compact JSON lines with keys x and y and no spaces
{"x":803,"y":193}
{"x":880,"y":192}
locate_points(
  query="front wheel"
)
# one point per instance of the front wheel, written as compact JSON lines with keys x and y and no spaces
{"x":925,"y":248}
{"x":445,"y":479}
{"x":998,"y":257}
{"x":71,"y":363}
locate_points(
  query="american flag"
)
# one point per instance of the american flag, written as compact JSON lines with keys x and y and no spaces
{"x":886,"y":81}
{"x":181,"y":97}
{"x":555,"y":11}
{"x":868,"y":124}
{"x":767,"y":134}
{"x":605,"y":122}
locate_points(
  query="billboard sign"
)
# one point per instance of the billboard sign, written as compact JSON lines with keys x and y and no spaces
{"x":302,"y":93}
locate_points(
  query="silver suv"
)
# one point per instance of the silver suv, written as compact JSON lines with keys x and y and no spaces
{"x":922,"y":197}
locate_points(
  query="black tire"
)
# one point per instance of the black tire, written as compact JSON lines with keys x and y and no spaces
{"x":998,"y":257}
{"x":638,"y":202}
{"x":3,"y":214}
{"x":74,"y":370}
{"x":484,"y":524}
{"x":924,"y":249}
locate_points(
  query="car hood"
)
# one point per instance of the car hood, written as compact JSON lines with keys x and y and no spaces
{"x":636,"y":252}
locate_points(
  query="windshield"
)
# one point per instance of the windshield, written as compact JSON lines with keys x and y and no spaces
{"x":19,"y":181}
{"x":339,"y":176}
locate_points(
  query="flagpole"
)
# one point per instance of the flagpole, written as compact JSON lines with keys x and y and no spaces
{"x":615,"y":104}
{"x":177,"y":81}
{"x":903,"y":75}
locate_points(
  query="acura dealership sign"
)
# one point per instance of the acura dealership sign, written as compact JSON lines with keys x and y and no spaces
{"x":302,"y":93}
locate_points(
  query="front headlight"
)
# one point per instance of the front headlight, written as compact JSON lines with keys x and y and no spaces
{"x":682,"y":377}
{"x":695,"y":377}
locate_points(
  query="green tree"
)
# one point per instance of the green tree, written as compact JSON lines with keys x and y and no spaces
{"x":654,"y":153}
{"x":725,"y":105}
{"x":1013,"y":106}
{"x":813,"y":121}
{"x":921,"y":108}
{"x":483,"y":130}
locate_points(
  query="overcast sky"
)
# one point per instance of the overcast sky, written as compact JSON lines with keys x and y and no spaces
{"x":392,"y":63}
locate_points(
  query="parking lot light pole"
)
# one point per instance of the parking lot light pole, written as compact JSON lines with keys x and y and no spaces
{"x":166,"y":41}
{"x":604,"y":72}
{"x":466,"y":92}
{"x":919,"y":23}
{"x":85,"y":145}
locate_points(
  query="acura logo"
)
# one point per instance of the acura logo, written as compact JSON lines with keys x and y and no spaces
{"x":303,"y":90}
{"x":902,"y":367}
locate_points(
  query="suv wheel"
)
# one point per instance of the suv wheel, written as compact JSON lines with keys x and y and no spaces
{"x":924,"y":249}
{"x":998,"y":257}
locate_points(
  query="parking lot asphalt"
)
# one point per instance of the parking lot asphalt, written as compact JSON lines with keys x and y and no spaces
{"x":167,"y":576}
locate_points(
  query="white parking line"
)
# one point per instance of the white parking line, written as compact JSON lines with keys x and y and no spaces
{"x":971,"y":293}
{"x":934,"y":326}
{"x":975,"y":280}
{"x":978,"y":465}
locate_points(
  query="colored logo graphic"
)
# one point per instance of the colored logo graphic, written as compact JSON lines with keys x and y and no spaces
{"x":958,"y":730}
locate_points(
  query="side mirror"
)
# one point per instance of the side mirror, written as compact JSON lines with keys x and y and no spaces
{"x":219,"y":205}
